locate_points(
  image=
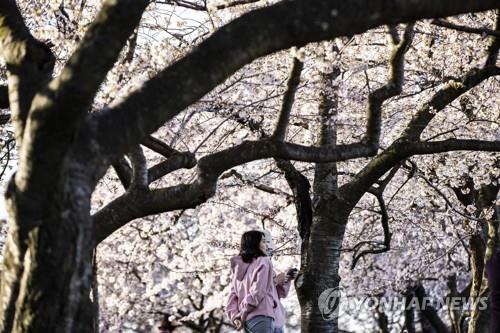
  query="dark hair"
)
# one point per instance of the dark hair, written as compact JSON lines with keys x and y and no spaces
{"x":249,"y":247}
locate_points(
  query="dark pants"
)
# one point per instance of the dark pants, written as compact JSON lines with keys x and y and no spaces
{"x":493,"y":271}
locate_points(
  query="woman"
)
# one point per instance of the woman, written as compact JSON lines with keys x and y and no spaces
{"x":254,"y":303}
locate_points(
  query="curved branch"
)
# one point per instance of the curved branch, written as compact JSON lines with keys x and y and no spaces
{"x":181,"y":160}
{"x":376,"y":246}
{"x":249,"y":37}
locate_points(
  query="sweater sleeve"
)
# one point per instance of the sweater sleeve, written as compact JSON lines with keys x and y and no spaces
{"x":258,"y":287}
{"x":232,"y":304}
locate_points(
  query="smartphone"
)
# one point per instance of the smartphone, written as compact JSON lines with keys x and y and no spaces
{"x":291,"y":272}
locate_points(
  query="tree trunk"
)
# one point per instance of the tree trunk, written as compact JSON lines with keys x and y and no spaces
{"x":320,"y":265}
{"x":47,"y":272}
{"x":320,"y":273}
{"x":482,"y":246}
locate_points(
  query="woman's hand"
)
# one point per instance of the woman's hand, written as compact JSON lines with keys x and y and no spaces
{"x":238,"y":324}
{"x":281,"y":278}
{"x":239,"y":321}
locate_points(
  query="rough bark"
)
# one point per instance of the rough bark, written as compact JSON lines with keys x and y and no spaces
{"x":320,"y":269}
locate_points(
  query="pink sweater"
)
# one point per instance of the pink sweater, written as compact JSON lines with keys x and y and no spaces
{"x":253,"y":290}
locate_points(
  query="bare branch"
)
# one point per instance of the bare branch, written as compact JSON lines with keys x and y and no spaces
{"x":375,"y":246}
{"x":59,"y":109}
{"x":288,"y":99}
{"x":236,"y":3}
{"x":194,"y":6}
{"x":480,"y":31}
{"x":261,"y":187}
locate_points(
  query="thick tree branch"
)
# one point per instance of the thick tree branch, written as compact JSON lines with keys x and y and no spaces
{"x":392,"y":88}
{"x":288,"y":99}
{"x":131,"y":206}
{"x":251,"y":36}
{"x":235,"y":3}
{"x":400,"y":150}
{"x":210,"y":167}
{"x":433,"y":147}
{"x":29,"y":64}
{"x":184,"y":160}
{"x":96,"y":54}
{"x":299,"y":184}
{"x":249,"y":151}
{"x":139,"y":170}
{"x":56,"y":112}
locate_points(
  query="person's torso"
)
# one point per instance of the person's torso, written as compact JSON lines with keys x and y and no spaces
{"x":270,"y":304}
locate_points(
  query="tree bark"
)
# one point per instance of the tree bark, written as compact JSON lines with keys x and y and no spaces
{"x":320,"y":269}
{"x":48,"y":263}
